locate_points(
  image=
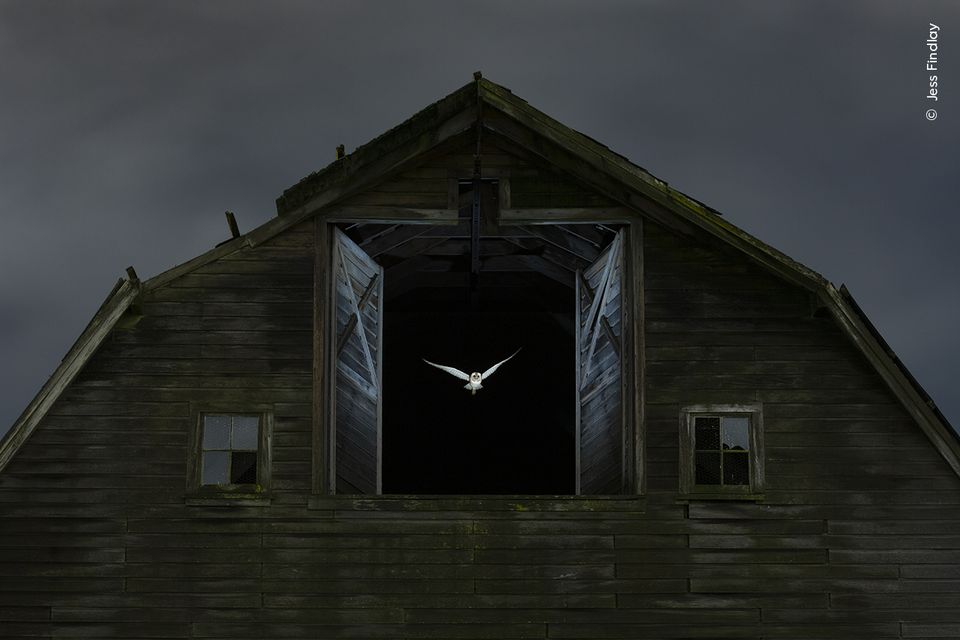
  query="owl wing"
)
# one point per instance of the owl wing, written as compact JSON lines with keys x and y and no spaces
{"x":489,"y":372}
{"x":454,"y":372}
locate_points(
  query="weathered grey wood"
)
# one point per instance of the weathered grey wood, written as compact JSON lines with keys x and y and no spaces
{"x":371,"y":163}
{"x":323,"y":460}
{"x":358,"y":387}
{"x":568,"y":242}
{"x":599,"y":417}
{"x":856,"y":535}
{"x":170,"y":275}
{"x":564,"y":215}
{"x":504,"y":197}
{"x":395,"y":239}
{"x":386,"y":214}
{"x":847,"y":314}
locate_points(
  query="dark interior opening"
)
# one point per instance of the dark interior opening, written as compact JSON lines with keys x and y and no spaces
{"x":516,"y":435}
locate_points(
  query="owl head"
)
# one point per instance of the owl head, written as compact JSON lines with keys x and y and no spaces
{"x":475,"y":377}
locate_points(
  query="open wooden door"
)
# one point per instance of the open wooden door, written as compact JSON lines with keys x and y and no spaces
{"x":600,"y":374}
{"x":357,"y":341}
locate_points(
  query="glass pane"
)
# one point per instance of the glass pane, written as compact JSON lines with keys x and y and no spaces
{"x":245,"y":432}
{"x":707,"y":433}
{"x":216,"y":432}
{"x":214,"y":467}
{"x":736,"y":467}
{"x":736,"y":433}
{"x":243,"y":467}
{"x":708,"y":468}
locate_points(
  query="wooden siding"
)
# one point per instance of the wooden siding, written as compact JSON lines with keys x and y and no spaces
{"x":600,"y":374}
{"x":859,"y":507}
{"x":359,"y":356}
{"x":427,"y":185}
{"x":855,"y":538}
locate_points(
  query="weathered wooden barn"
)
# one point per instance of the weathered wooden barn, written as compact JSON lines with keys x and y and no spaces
{"x":700,"y":438}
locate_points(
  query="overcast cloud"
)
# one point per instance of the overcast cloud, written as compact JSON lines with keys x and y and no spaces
{"x":127,"y":128}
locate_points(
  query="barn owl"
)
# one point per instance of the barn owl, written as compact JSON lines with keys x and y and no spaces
{"x":474,"y":379}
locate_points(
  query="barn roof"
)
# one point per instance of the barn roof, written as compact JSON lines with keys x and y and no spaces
{"x":482,"y":105}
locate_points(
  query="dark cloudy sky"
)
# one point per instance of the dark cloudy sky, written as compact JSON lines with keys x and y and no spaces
{"x":127,"y":128}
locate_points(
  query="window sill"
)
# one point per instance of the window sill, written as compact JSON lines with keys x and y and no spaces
{"x":227,"y":496}
{"x":499,"y":503}
{"x":687,"y":498}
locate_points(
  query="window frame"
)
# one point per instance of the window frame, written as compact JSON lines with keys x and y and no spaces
{"x":688,"y":486}
{"x":633,"y":374}
{"x":259,"y":490}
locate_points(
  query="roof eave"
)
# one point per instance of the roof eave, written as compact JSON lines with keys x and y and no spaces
{"x":118,"y":301}
{"x":900,"y":381}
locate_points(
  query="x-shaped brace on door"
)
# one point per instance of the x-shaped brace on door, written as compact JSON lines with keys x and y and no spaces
{"x":356,"y":317}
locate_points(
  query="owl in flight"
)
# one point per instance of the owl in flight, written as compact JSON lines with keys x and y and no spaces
{"x":474,"y":379}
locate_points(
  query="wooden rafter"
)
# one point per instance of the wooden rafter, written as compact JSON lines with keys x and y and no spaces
{"x":528,"y":263}
{"x":573,"y":244}
{"x":396,"y":237}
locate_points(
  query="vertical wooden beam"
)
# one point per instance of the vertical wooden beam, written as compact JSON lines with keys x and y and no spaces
{"x":635,"y":398}
{"x":265,"y":450}
{"x":627,"y":366}
{"x":504,"y":195}
{"x":194,"y":455}
{"x":453,"y":194}
{"x":578,"y":338}
{"x":380,"y":307}
{"x":489,"y":210}
{"x":475,"y":229}
{"x":324,"y":432}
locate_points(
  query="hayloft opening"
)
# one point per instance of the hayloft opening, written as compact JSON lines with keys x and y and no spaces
{"x":516,"y":435}
{"x":467,"y":295}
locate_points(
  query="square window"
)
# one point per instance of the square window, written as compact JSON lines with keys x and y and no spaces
{"x":721,"y":450}
{"x":230,"y":452}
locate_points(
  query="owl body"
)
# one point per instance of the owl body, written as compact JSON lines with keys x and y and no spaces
{"x":474,"y":379}
{"x":474,"y":384}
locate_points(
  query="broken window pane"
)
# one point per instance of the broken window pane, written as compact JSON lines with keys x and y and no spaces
{"x":216,"y":432}
{"x":708,"y":467}
{"x":707,"y":433}
{"x":245,"y":432}
{"x":243,"y":467}
{"x":229,"y":449}
{"x":722,"y":438}
{"x":736,"y":467}
{"x":736,"y":433}
{"x":214,"y":467}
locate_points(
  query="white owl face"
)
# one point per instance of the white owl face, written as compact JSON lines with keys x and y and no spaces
{"x":475,"y":377}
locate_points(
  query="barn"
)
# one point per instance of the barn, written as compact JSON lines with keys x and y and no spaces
{"x":697,"y":437}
